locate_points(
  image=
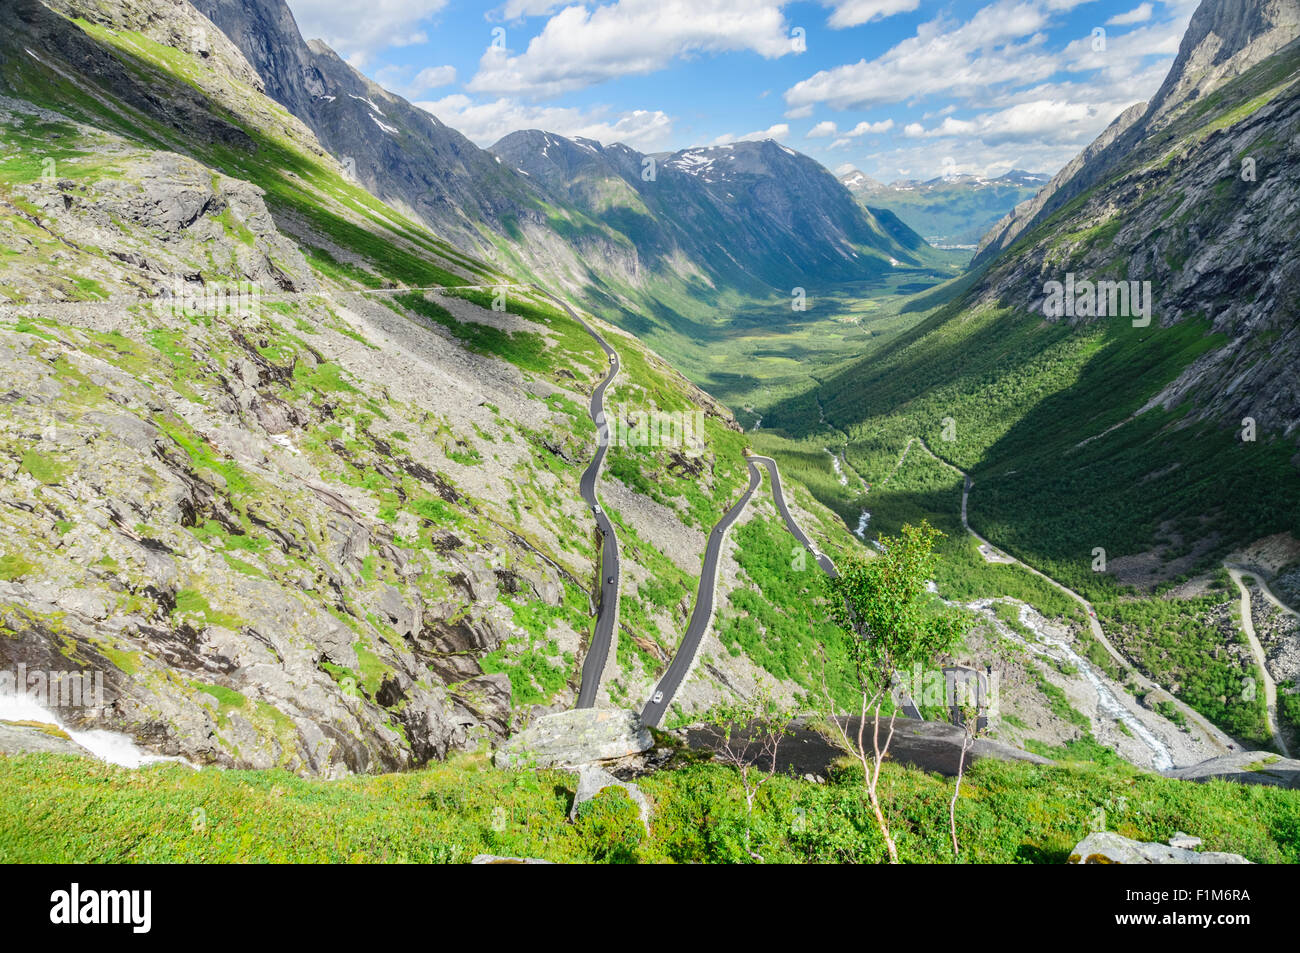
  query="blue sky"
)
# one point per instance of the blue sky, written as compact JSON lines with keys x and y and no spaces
{"x":896,"y":88}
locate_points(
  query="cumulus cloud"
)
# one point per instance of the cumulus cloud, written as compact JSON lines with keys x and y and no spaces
{"x":431,"y":77}
{"x":870,"y":128}
{"x":779,"y":132}
{"x":518,"y":9}
{"x":385,"y":23}
{"x":486,"y":122}
{"x":579,"y":48}
{"x":1139,"y":14}
{"x":847,"y":13}
{"x":1002,"y":42}
{"x":823,"y":130}
{"x":1028,"y":98}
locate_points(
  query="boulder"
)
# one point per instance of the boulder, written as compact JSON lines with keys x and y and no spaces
{"x":592,"y":780}
{"x":29,"y":737}
{"x":494,"y":859}
{"x":568,"y":739}
{"x":1108,"y":847}
{"x":1244,"y":767}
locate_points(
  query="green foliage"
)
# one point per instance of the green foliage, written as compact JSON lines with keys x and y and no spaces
{"x":45,"y":468}
{"x":784,"y":627}
{"x":1175,"y":642}
{"x":524,"y":349}
{"x":881,"y":603}
{"x":1008,"y":813}
{"x":610,"y":827}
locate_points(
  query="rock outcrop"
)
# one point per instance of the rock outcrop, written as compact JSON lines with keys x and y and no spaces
{"x":1107,"y":847}
{"x":1244,"y":767}
{"x":570,"y":739}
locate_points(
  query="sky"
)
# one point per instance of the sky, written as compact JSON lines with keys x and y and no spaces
{"x":899,"y":89}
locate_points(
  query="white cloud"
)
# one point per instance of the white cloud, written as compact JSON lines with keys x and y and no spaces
{"x":871,"y":128}
{"x":1003,"y":42}
{"x":778,"y":132}
{"x":518,"y":9}
{"x":486,"y":122}
{"x":1041,"y":121}
{"x":823,"y":130}
{"x":579,"y":48}
{"x":1139,"y":14}
{"x":431,"y":77}
{"x":356,"y":37}
{"x":847,"y":13}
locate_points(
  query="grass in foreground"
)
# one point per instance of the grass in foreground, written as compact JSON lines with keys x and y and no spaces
{"x":63,"y":809}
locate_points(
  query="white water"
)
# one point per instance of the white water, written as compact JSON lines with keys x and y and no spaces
{"x":863,"y":519}
{"x":1107,"y":703}
{"x":839,"y":469}
{"x":111,"y":746}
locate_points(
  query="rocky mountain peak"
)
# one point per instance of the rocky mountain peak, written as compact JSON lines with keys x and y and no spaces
{"x":1224,"y":39}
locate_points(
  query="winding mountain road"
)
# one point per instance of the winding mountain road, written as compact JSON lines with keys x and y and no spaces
{"x":702,"y":615}
{"x":1257,"y":650}
{"x":602,"y":637}
{"x":1211,"y":732}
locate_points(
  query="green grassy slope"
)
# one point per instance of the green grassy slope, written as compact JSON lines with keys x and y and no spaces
{"x":1007,"y":813}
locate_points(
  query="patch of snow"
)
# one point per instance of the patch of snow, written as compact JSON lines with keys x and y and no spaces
{"x":368,"y":102}
{"x":391,"y":130}
{"x":282,"y":440}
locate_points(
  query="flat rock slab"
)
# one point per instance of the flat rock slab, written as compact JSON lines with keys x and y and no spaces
{"x":568,"y":739}
{"x":1244,"y":767}
{"x":928,"y":745}
{"x":494,"y":859}
{"x":1108,"y":847}
{"x":20,"y":737}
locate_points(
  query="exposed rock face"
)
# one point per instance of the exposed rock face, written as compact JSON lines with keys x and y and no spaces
{"x":1223,"y":40}
{"x":1109,"y":848}
{"x":1244,"y":767}
{"x":569,"y":739}
{"x":1196,"y":194}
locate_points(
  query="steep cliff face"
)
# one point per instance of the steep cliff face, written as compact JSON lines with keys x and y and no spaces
{"x":1204,"y":205}
{"x":1224,"y":39}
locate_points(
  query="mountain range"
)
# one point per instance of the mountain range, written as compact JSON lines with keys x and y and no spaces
{"x":949,"y":210}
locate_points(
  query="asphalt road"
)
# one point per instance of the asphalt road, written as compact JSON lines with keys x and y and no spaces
{"x":667,"y":688}
{"x":602,"y":637}
{"x":702,"y":614}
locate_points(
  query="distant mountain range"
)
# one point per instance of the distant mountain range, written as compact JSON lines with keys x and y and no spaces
{"x":752,"y":217}
{"x":950,"y":210}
